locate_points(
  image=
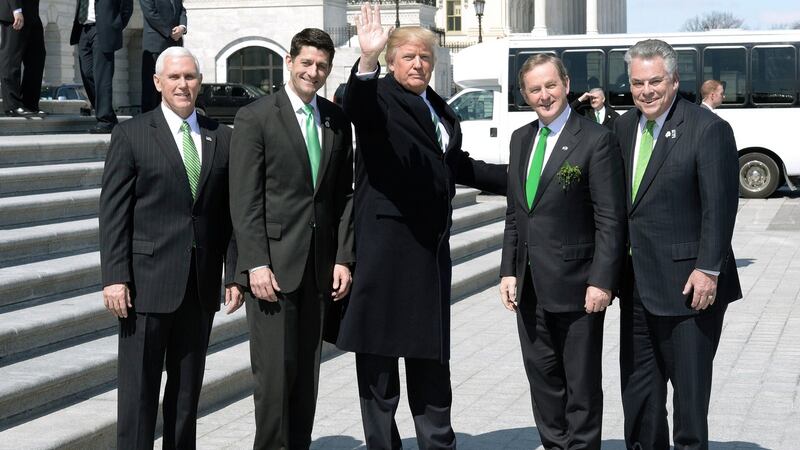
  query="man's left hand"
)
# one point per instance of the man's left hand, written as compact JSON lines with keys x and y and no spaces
{"x":597,"y":299}
{"x":704,"y":289}
{"x":341,"y":281}
{"x":177,"y":33}
{"x":19,"y":21}
{"x":233,"y":297}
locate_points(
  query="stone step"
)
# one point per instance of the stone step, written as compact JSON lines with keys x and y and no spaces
{"x":56,"y":123}
{"x":33,"y":328}
{"x":42,"y":383}
{"x":476,"y":215}
{"x":24,"y":180}
{"x":91,"y":423}
{"x":52,"y":148}
{"x":51,"y":207}
{"x":465,"y":196}
{"x":34,"y":243}
{"x":47,"y":278}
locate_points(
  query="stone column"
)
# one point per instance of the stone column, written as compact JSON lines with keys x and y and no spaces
{"x":539,"y":18}
{"x":591,"y":17}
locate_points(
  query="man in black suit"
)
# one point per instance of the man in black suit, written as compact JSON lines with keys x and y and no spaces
{"x":681,"y":177}
{"x":408,"y":160}
{"x":593,"y":105}
{"x":164,"y":26}
{"x":713,"y":94}
{"x":97,"y":29}
{"x":563,"y":250}
{"x":291,"y":204}
{"x":164,"y":235}
{"x":21,"y":44}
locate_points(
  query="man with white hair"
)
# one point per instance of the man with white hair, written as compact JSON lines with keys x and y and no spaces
{"x":165,"y":233}
{"x":593,"y":105}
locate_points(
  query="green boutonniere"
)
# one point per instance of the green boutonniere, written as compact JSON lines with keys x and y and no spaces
{"x":568,"y":174}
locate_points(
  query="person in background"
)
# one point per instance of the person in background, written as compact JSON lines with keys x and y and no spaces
{"x":164,"y":26}
{"x":21,"y":45}
{"x":593,"y":105}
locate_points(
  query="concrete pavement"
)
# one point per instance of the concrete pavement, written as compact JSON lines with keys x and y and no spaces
{"x":755,"y":399}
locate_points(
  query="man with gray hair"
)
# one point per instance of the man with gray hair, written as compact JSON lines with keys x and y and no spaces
{"x":165,"y":233}
{"x":681,"y":179}
{"x":593,"y":105}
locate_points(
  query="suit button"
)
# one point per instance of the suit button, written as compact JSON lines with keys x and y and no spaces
{"x":525,"y":243}
{"x":312,"y":224}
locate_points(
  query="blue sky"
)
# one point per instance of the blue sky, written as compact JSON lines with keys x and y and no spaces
{"x":670,"y":15}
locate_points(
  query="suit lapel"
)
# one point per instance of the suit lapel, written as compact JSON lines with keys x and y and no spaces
{"x":418,"y":111}
{"x":327,"y":141}
{"x":629,"y":152}
{"x":166,"y":143}
{"x":208,"y":138}
{"x":526,"y":148}
{"x":664,"y":146}
{"x":565,"y":145}
{"x":288,"y":118}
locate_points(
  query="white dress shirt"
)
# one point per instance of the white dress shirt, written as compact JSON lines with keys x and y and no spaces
{"x":91,"y":15}
{"x":556,"y":126}
{"x":300,"y":114}
{"x":174,"y":123}
{"x":600,"y":113}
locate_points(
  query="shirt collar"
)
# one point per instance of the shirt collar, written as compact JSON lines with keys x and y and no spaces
{"x":175,"y":121}
{"x":297,"y":103}
{"x":659,"y":120}
{"x":558,"y":123}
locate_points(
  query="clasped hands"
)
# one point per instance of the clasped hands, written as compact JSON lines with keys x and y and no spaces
{"x":264,"y":284}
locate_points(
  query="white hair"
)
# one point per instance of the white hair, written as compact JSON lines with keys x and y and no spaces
{"x":651,"y":48}
{"x":175,"y":52}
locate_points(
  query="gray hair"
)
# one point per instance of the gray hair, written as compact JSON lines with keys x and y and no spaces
{"x":651,"y":48}
{"x":175,"y":52}
{"x":597,"y":90}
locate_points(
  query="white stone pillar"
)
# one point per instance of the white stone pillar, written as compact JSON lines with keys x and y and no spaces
{"x":539,"y":18}
{"x":591,"y":17}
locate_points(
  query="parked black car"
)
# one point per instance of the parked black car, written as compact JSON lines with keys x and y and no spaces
{"x":221,"y":101}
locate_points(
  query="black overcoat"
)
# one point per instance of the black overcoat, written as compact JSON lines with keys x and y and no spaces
{"x":400,"y":300}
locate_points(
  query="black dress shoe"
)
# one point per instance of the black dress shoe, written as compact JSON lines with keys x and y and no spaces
{"x":20,"y":112}
{"x":101,"y":129}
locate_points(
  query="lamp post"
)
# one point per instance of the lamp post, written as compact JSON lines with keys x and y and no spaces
{"x":397,"y":13}
{"x":479,"y":4}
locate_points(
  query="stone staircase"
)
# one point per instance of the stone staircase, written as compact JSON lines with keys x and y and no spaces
{"x":58,"y":345}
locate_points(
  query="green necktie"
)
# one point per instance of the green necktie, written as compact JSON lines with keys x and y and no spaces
{"x":83,"y":11}
{"x":190,"y":158}
{"x":438,"y":131}
{"x":312,"y":142}
{"x":535,"y":172}
{"x":645,"y":151}
{"x":597,"y":116}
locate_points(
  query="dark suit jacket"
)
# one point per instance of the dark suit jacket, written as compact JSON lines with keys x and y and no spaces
{"x":275,"y":207}
{"x":574,"y":235}
{"x":684,"y":212}
{"x":112,"y":17}
{"x":160,"y":17}
{"x":149,"y":223}
{"x":585,"y":108}
{"x":7,"y":8}
{"x":400,"y":300}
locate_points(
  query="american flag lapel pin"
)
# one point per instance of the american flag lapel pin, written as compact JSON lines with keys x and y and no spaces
{"x":208,"y":138}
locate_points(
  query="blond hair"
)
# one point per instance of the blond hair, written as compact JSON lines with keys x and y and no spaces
{"x":404,"y":35}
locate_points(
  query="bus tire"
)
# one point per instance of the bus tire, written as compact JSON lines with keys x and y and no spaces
{"x":759,"y":175}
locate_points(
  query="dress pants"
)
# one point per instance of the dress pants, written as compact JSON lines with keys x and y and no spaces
{"x":285,"y":351}
{"x":97,"y":73}
{"x":562,"y":354}
{"x":20,"y":48}
{"x":145,"y":339}
{"x":657,"y":349}
{"x":429,"y":398}
{"x":150,"y":96}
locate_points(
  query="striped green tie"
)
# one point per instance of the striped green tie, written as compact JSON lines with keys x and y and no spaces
{"x":438,"y":130}
{"x":83,"y":11}
{"x":645,"y":151}
{"x":312,"y":142}
{"x":190,"y":158}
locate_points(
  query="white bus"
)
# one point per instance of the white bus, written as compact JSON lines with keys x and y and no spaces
{"x":758,"y":68}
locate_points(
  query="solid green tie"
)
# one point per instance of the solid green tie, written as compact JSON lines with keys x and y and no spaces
{"x":312,"y":142}
{"x":645,"y":151}
{"x":438,"y":131}
{"x":535,"y":172}
{"x":597,"y":117}
{"x":190,"y":158}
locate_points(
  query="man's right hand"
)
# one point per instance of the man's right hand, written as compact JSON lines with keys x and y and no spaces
{"x":264,"y":285}
{"x":117,"y":298}
{"x":508,"y":293}
{"x":372,"y":36}
{"x":19,"y":21}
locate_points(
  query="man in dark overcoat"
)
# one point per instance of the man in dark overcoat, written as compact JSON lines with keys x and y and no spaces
{"x":408,"y":160}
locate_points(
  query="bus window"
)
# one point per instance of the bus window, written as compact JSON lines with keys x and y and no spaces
{"x":687,"y":72}
{"x":474,"y":106}
{"x":728,"y":65}
{"x":585,"y":69}
{"x":618,"y":90}
{"x":773,"y":75}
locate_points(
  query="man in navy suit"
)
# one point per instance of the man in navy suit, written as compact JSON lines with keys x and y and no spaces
{"x":681,"y":171}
